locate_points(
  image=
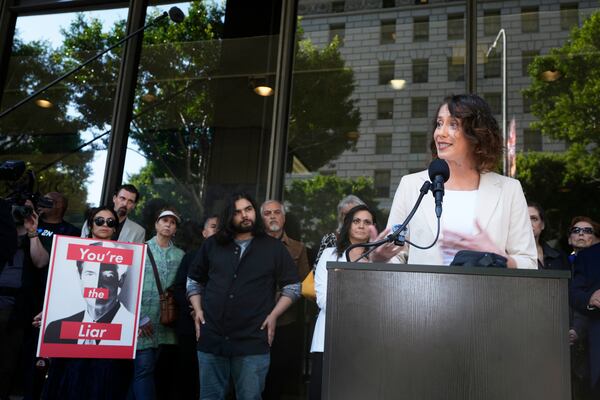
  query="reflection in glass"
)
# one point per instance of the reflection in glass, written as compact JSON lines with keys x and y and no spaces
{"x":55,"y":132}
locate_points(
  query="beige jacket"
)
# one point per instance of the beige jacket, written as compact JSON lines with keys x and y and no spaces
{"x":501,"y":211}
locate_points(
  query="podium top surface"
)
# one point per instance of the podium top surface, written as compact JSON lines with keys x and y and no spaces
{"x":434,"y":269}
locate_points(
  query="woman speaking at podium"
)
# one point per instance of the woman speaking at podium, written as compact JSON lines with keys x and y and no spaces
{"x":482,"y":210}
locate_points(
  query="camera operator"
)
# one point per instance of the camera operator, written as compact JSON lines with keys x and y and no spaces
{"x":18,"y":300}
{"x":8,"y":234}
{"x":51,"y":212}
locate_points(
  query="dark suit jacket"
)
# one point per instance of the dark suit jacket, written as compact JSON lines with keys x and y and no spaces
{"x":586,"y":280}
{"x":52,"y":333}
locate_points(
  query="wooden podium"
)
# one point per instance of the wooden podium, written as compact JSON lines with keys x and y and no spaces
{"x":422,"y":332}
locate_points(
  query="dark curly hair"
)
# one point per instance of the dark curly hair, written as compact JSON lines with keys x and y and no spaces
{"x":343,"y":239}
{"x":480,"y":128}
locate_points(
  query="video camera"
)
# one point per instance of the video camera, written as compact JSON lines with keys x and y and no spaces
{"x":22,"y":190}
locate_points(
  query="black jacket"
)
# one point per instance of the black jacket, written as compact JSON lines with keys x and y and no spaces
{"x":239,"y":293}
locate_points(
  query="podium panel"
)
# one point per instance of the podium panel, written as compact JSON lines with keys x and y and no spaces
{"x":422,"y":332}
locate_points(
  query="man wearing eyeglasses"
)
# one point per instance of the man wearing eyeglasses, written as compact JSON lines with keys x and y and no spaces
{"x":125,"y":199}
{"x":584,"y":237}
{"x":286,"y":351}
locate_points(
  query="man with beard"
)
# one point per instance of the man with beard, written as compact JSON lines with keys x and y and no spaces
{"x":232,"y":289}
{"x":107,"y":310}
{"x":125,"y":199}
{"x":286,"y":352}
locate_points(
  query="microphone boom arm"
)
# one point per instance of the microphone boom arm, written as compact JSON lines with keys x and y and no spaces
{"x":394,"y":236}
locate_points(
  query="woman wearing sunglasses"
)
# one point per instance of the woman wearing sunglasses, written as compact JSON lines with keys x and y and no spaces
{"x":89,"y":378}
{"x":103,"y":221}
{"x":355,"y":229}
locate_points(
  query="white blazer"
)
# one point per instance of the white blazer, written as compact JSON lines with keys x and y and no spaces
{"x":501,"y":210}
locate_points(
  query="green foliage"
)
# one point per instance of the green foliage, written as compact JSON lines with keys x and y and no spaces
{"x":40,"y":136}
{"x":560,"y":186}
{"x":323,"y":116}
{"x":314,"y":202}
{"x":567,"y":108}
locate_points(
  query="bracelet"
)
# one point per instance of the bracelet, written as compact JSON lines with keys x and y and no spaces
{"x":32,"y":235}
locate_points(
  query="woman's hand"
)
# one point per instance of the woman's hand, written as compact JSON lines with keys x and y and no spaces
{"x":384,"y":252}
{"x":455,"y":241}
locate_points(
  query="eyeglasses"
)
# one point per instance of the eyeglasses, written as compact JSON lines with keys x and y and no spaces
{"x":99,"y":221}
{"x":577,"y":230}
{"x":357,"y":221}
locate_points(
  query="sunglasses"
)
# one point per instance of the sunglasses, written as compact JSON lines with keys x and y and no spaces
{"x":577,"y":230}
{"x":99,"y":221}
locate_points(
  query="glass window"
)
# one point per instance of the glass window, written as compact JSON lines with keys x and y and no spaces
{"x":388,"y":3}
{"x":382,"y":182}
{"x":456,"y":26}
{"x":569,"y":16}
{"x":532,"y":140}
{"x":527,"y":57}
{"x":530,"y":20}
{"x":386,"y":72}
{"x":338,"y":6}
{"x":385,"y":108}
{"x":493,"y":66}
{"x":383,"y":143}
{"x":339,"y":31}
{"x":491,"y":22}
{"x":420,"y":70}
{"x":202,"y":100}
{"x":456,"y":69}
{"x":418,"y":142}
{"x":419,"y":107}
{"x":63,"y":133}
{"x":494,"y":100}
{"x":421,"y":29}
{"x":388,"y":31}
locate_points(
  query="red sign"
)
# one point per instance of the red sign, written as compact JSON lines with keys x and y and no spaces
{"x":105,"y":255}
{"x":90,"y":330}
{"x":95,"y":293}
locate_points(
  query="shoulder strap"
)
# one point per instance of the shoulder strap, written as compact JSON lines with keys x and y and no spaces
{"x":155,"y":270}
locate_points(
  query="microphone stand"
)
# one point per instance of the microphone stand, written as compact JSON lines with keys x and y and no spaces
{"x":80,"y":66}
{"x":395,"y":237}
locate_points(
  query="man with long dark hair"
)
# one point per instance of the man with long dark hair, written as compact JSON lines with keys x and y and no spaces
{"x":232,"y":287}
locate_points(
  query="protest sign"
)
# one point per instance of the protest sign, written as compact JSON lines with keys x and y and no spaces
{"x":92,"y":300}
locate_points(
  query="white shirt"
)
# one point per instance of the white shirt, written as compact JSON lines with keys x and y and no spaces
{"x":329,"y":254}
{"x":458,"y":216}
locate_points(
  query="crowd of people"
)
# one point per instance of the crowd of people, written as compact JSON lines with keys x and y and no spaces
{"x":240,"y":330}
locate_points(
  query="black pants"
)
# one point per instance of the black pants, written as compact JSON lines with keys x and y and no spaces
{"x":316,"y":377}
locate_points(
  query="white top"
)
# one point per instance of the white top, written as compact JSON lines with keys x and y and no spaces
{"x":458,"y":215}
{"x":329,"y":254}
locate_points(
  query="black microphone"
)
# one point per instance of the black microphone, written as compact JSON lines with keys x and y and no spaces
{"x":175,"y":14}
{"x":438,"y":173}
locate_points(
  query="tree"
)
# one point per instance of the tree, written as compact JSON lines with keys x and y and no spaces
{"x":324,"y":118}
{"x":52,"y":132}
{"x":314,"y":203}
{"x":548,"y":180}
{"x":567,"y":107}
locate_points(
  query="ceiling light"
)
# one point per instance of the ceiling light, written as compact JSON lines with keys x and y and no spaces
{"x":550,"y":75}
{"x":43,"y":103}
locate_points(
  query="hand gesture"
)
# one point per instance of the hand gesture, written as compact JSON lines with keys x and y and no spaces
{"x":384,"y":252}
{"x":270,"y":323}
{"x":198,"y":321}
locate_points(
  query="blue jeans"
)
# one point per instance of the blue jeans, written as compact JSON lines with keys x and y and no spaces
{"x":248,"y":373}
{"x":143,"y":386}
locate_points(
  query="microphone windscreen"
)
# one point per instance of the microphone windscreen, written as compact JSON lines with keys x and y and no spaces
{"x":439,"y":167}
{"x":176,"y":14}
